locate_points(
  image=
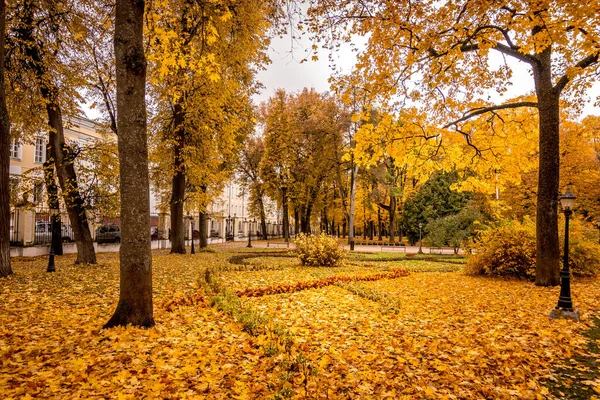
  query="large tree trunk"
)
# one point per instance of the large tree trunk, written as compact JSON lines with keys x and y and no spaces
{"x":178,"y":183}
{"x":547,"y":271}
{"x":5,"y":268}
{"x":63,"y":158}
{"x":135,"y":297}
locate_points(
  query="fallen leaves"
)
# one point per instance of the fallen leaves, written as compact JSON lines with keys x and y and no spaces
{"x":450,"y":336}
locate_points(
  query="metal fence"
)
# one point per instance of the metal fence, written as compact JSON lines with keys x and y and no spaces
{"x":43,"y":227}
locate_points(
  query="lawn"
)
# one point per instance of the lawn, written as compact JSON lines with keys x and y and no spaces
{"x":261,"y":326}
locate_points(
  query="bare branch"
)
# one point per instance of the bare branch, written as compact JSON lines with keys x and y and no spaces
{"x":584,"y":63}
{"x":478,"y":111}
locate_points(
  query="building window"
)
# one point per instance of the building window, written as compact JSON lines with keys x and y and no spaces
{"x":38,"y":189}
{"x":40,"y":150}
{"x":15,"y":149}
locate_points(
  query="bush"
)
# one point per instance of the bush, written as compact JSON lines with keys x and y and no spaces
{"x":319,"y":250}
{"x":509,"y":250}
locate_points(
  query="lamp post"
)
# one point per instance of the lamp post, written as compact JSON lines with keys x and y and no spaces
{"x":250,"y":233}
{"x":53,"y":214}
{"x":420,"y":238}
{"x":564,"y":308}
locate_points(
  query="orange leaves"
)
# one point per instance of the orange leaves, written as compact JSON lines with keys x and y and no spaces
{"x":290,"y":288}
{"x":451,"y":336}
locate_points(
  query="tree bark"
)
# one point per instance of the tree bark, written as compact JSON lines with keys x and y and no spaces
{"x":67,"y":178}
{"x":379,"y":224}
{"x":286,"y":217}
{"x":203,"y":230}
{"x":547,"y":271}
{"x":178,"y":183}
{"x":52,"y":192}
{"x":135,"y":297}
{"x":5,"y":267}
{"x":353,"y":174}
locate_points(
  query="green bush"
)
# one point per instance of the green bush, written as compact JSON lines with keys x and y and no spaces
{"x":509,"y":250}
{"x":319,"y":250}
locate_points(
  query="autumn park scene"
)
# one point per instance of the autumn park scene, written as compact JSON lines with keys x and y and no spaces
{"x":327,"y":199}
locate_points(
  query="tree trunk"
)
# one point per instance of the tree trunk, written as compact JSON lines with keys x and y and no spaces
{"x":203,"y":230}
{"x":63,"y":158}
{"x":65,"y":169}
{"x":392,"y":215}
{"x":286,"y":219}
{"x":547,"y":271}
{"x":135,"y":297}
{"x":178,"y":183}
{"x":306,"y":219}
{"x":52,"y":191}
{"x":5,"y":267}
{"x":296,"y":221}
{"x":353,"y":175}
{"x":379,"y":223}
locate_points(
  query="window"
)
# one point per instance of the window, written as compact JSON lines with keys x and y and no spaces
{"x":15,"y":149}
{"x":40,"y":150}
{"x":37,"y":192}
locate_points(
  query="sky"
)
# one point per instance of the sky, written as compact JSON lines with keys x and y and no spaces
{"x":288,"y":73}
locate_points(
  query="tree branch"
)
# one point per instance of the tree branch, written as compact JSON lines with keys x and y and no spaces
{"x":582,"y":64}
{"x":482,"y":110}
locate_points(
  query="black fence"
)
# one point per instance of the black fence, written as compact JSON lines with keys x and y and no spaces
{"x":43,"y":228}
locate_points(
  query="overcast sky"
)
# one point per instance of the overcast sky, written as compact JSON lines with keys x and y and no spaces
{"x":288,"y":73}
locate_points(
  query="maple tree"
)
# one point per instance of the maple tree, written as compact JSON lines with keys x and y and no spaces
{"x":5,"y":268}
{"x":437,"y":53}
{"x":135,"y":291}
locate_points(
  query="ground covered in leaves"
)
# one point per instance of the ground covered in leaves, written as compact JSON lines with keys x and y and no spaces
{"x":240,"y":324}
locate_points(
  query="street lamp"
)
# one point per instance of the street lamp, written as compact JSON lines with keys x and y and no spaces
{"x":250,"y":233}
{"x":564,"y":309}
{"x":420,"y":239}
{"x":53,"y":215}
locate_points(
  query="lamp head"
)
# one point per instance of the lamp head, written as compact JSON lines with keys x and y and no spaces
{"x":567,"y":200}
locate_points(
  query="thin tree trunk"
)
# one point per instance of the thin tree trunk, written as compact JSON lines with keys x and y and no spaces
{"x":52,"y":191}
{"x":296,"y":221}
{"x":5,"y":267}
{"x":547,"y":271}
{"x":286,"y":218}
{"x":203,"y":228}
{"x":67,"y":178}
{"x":353,"y":175}
{"x":392,"y":216}
{"x":178,"y":184}
{"x":135,"y":297}
{"x":379,"y":224}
